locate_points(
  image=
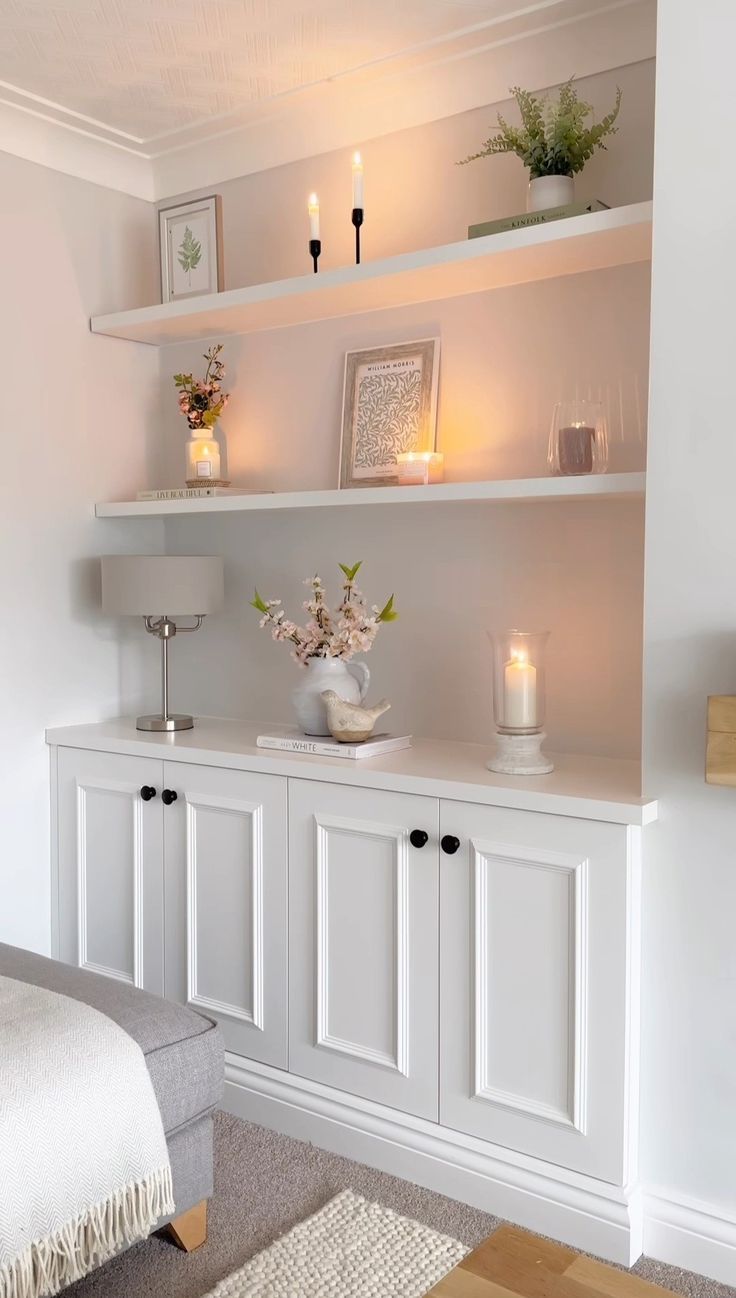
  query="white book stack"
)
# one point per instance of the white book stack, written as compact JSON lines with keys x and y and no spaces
{"x":196,"y":493}
{"x":290,"y":740}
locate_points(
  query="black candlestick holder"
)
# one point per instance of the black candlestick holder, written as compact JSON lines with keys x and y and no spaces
{"x":357,"y":219}
{"x":315,"y":248}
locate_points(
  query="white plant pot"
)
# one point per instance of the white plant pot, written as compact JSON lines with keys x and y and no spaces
{"x":349,"y":680}
{"x":549,"y":191}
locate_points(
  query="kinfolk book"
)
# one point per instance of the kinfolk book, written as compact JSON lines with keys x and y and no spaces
{"x":524,"y":219}
{"x":293,"y":741}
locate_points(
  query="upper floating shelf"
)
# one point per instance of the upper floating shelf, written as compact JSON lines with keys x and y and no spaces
{"x":595,"y":241}
{"x":603,"y":487}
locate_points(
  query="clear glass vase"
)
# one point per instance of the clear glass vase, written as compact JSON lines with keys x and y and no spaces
{"x":578,"y":438}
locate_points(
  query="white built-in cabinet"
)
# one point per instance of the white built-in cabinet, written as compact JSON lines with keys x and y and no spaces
{"x":364,"y":943}
{"x":535,"y":949}
{"x":174,"y":878}
{"x":465,"y":965}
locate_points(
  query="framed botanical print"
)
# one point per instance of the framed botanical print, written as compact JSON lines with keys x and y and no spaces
{"x":389,"y":406}
{"x":190,"y":244}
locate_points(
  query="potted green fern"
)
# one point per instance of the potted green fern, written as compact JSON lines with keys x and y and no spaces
{"x":554,"y":141}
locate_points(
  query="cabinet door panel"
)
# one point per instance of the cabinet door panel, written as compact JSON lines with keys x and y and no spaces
{"x":535,"y":980}
{"x":363,"y":953}
{"x":226,"y":904}
{"x":111,"y":866}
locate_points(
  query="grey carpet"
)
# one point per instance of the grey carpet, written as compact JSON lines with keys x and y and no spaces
{"x":265,"y":1183}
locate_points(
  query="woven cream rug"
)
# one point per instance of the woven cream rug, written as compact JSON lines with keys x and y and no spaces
{"x":350,"y":1249}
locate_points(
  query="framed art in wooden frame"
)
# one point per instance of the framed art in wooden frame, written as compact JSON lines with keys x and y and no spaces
{"x":190,"y":245}
{"x":389,"y":406}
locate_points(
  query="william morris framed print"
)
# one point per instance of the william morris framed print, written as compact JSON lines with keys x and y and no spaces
{"x":190,"y":243}
{"x":389,"y":406}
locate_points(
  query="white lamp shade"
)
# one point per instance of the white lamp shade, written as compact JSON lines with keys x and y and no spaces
{"x":150,"y":585}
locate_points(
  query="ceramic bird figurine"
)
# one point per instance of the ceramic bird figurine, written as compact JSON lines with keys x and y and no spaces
{"x":349,"y":722}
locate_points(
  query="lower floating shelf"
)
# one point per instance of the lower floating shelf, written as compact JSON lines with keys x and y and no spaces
{"x":602,"y":487}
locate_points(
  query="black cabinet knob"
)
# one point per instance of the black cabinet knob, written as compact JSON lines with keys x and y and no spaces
{"x":168,"y":796}
{"x":419,"y":838}
{"x":148,"y":792}
{"x":450,"y":844}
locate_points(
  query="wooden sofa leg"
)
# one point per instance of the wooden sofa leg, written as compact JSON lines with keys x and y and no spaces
{"x":189,"y":1231}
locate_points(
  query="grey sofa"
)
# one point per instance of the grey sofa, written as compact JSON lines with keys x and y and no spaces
{"x":185,"y":1059}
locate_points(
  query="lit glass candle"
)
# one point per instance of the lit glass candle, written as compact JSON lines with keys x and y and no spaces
{"x":203,"y":457}
{"x":520,"y":692}
{"x":419,"y":467}
{"x":357,"y":180}
{"x":313,"y":209}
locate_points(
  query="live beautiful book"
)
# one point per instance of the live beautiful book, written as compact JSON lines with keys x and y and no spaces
{"x":196,"y":493}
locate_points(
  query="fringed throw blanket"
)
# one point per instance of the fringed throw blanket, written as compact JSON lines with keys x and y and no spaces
{"x":84,"y":1169}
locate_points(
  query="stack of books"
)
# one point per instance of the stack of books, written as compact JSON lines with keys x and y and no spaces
{"x":290,"y":740}
{"x":194,"y":493}
{"x":524,"y":219}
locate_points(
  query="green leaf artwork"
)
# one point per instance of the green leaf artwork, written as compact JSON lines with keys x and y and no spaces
{"x":189,"y":253}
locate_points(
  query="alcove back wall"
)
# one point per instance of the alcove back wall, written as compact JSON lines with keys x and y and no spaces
{"x":456,"y":571}
{"x":507,"y":356}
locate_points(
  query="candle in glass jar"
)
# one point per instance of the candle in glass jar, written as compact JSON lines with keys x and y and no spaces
{"x":357,"y":180}
{"x":417,"y":468}
{"x":203,"y":457}
{"x":313,"y":210}
{"x":576,"y":449}
{"x":519,"y":693}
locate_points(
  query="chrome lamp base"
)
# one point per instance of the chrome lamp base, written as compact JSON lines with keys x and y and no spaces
{"x":166,"y":722}
{"x":165,"y":725}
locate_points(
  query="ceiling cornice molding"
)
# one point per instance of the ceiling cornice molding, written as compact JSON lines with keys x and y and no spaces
{"x":75,"y":152}
{"x":536,"y":46}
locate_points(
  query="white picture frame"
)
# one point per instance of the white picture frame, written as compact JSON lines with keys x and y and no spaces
{"x":389,"y":406}
{"x":190,"y":247}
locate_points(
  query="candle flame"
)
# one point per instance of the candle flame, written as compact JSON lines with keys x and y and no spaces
{"x":518,"y":655}
{"x":357,"y":160}
{"x":313,"y":202}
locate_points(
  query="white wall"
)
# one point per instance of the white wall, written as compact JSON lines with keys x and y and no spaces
{"x":415,"y":194}
{"x":689,"y":1025}
{"x":456,"y":571}
{"x":78,"y":425}
{"x":507,"y":356}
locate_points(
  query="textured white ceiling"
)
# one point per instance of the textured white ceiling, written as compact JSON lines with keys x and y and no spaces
{"x":159,"y":97}
{"x":145,"y":68}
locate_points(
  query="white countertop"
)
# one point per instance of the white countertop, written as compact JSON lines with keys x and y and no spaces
{"x":594,"y":788}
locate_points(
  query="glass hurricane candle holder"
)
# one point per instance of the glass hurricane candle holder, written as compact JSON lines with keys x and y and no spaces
{"x":519,"y":702}
{"x":578,"y":439}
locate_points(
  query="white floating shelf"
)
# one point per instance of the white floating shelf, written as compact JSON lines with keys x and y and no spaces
{"x":603,"y":487}
{"x":591,"y":242}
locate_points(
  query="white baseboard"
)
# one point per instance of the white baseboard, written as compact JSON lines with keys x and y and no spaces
{"x":692,"y":1235}
{"x":579,"y":1210}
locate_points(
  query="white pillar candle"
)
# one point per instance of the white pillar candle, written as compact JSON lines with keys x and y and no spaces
{"x":519,"y":694}
{"x":357,"y":180}
{"x":313,"y":209}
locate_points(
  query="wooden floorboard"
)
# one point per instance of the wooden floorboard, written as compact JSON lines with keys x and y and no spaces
{"x":511,"y":1263}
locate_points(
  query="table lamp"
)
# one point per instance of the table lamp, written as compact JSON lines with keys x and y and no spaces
{"x":145,"y":585}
